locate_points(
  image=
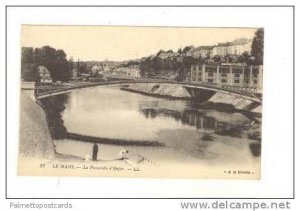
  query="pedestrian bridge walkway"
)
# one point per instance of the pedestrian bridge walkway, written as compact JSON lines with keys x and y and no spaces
{"x":193,"y":88}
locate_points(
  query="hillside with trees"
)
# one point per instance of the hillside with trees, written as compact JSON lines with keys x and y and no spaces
{"x":176,"y":62}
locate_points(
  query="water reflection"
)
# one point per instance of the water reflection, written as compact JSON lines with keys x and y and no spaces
{"x":200,"y":121}
{"x":53,"y":106}
{"x":178,"y":126}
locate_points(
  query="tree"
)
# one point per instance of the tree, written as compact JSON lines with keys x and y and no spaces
{"x":71,"y":63}
{"x":188,"y":61}
{"x":55,"y":61}
{"x":27,"y":55}
{"x":227,"y":58}
{"x":257,"y":48}
{"x":217,"y":59}
{"x":244,"y":58}
{"x":29,"y":72}
{"x":28,"y":67}
{"x":160,"y":52}
{"x":200,"y":60}
{"x":82,"y":68}
{"x":130,"y":63}
{"x":186,"y":49}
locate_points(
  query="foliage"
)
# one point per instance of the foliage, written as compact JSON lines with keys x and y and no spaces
{"x":130,"y":63}
{"x":54,"y":60}
{"x":28,"y":67}
{"x":82,"y":68}
{"x":153,"y":66}
{"x":186,"y":49}
{"x":217,"y":59}
{"x":188,"y":61}
{"x":257,"y":48}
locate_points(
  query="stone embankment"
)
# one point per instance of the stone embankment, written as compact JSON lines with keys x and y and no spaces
{"x":236,"y":101}
{"x":159,"y":90}
{"x":219,"y":101}
{"x":35,"y":138}
{"x":257,"y":110}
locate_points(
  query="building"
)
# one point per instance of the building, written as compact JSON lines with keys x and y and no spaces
{"x":236,"y":47}
{"x":44,"y":75}
{"x":201,"y":51}
{"x":133,"y":71}
{"x":99,"y":69}
{"x":105,"y":68}
{"x":231,"y":75}
{"x":95,"y":70}
{"x":74,"y":73}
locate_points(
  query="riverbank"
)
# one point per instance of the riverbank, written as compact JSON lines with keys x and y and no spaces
{"x":36,"y":146}
{"x":179,"y":158}
{"x":218,"y":101}
{"x":112,"y":141}
{"x":185,"y":151}
{"x":35,"y":138}
{"x":159,"y":90}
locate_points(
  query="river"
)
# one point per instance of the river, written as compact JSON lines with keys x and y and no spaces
{"x":185,"y":132}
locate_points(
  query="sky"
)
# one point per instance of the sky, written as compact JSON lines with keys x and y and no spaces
{"x":119,"y":43}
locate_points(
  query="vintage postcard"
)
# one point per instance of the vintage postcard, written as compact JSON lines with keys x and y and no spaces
{"x":151,"y":102}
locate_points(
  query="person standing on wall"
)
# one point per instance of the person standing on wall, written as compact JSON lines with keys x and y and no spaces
{"x":95,"y":151}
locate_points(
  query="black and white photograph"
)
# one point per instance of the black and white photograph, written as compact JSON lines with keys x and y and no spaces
{"x":127,"y":101}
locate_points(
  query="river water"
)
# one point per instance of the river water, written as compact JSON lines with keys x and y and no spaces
{"x":185,"y":131}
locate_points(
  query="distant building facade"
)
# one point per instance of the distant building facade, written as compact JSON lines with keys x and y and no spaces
{"x":236,"y":47}
{"x":75,"y":73}
{"x":44,"y":75}
{"x":132,"y":71}
{"x":201,"y":51}
{"x":231,"y":75}
{"x":100,"y":69}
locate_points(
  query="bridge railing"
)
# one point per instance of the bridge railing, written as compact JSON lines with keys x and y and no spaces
{"x":248,"y":91}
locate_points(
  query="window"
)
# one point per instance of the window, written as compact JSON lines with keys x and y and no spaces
{"x":210,"y":74}
{"x":199,"y":74}
{"x":223,"y":81}
{"x":236,"y":81}
{"x":255,"y":70}
{"x":247,"y":70}
{"x":210,"y":80}
{"x":236,"y":75}
{"x":237,"y":70}
{"x":211,"y":69}
{"x":255,"y":81}
{"x":224,"y":70}
{"x":224,"y":75}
